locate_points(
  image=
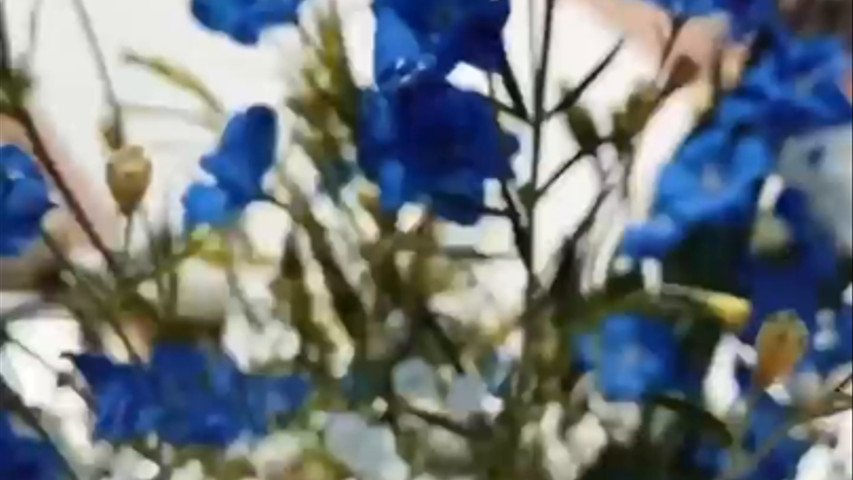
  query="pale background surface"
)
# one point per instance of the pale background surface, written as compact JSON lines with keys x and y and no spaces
{"x":70,"y":103}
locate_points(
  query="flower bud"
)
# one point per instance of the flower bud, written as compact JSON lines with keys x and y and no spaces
{"x":781,"y":343}
{"x":583,"y":128}
{"x":733,"y":311}
{"x":684,"y":71}
{"x":128,"y":176}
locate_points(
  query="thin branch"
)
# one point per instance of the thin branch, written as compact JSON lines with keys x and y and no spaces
{"x":238,"y":292}
{"x":5,"y":44}
{"x":509,"y":110}
{"x":843,"y":383}
{"x":575,"y":94}
{"x":188,"y":116}
{"x":519,"y":232}
{"x":678,"y":23}
{"x":445,"y":343}
{"x":444,"y":422}
{"x":32,"y":48}
{"x":74,"y":205}
{"x":109,"y":315}
{"x":511,"y":84}
{"x":103,"y":72}
{"x":565,"y":167}
{"x":11,"y":401}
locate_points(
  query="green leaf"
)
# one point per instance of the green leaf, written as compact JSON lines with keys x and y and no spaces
{"x":178,"y":76}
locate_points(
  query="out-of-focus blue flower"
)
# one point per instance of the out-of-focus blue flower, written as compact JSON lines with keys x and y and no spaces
{"x":23,"y":200}
{"x":798,"y":283}
{"x":24,"y":457}
{"x":793,"y":90}
{"x":795,"y":282}
{"x":127,"y":403}
{"x":745,"y":16}
{"x":425,"y":140}
{"x":713,"y":180}
{"x":632,"y":356}
{"x":765,"y":420}
{"x":244,"y":20}
{"x":449,"y":31}
{"x":187,"y":397}
{"x":245,"y":153}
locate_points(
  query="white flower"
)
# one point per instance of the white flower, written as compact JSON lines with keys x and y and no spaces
{"x":415,"y":381}
{"x":252,"y":345}
{"x":368,"y":451}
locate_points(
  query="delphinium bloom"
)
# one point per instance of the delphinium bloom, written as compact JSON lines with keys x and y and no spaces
{"x":244,"y":20}
{"x":239,"y":163}
{"x":632,"y":356}
{"x":23,"y":200}
{"x":429,"y":141}
{"x":714,"y":179}
{"x":420,"y":138}
{"x":451,"y":31}
{"x":26,"y":457}
{"x":187,"y":397}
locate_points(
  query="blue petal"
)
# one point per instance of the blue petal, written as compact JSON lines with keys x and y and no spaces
{"x":633,"y":356}
{"x":187,"y":396}
{"x":245,"y":153}
{"x":428,"y":141}
{"x":23,"y":200}
{"x":395,"y":44}
{"x":205,"y":205}
{"x":244,"y":20}
{"x":24,"y":457}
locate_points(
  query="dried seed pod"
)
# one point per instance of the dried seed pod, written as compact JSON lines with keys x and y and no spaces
{"x":128,"y":176}
{"x":781,"y":343}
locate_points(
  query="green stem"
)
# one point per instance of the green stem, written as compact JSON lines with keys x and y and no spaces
{"x":90,"y":290}
{"x":103,"y":72}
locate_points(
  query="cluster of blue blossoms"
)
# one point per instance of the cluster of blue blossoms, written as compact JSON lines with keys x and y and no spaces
{"x":421,"y":139}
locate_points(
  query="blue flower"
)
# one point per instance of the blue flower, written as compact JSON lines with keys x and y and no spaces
{"x":713,"y":180}
{"x":794,"y":89}
{"x":26,"y":457}
{"x":127,"y":403}
{"x":245,"y":153}
{"x":450,"y":31}
{"x":244,"y":20}
{"x":187,"y":397}
{"x":632,"y":356}
{"x":765,"y":419}
{"x":425,"y":140}
{"x":23,"y":200}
